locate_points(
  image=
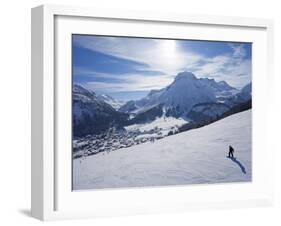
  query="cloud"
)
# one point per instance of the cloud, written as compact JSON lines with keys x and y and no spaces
{"x":127,"y":82}
{"x":158,"y":55}
{"x":211,"y":66}
{"x":167,"y":58}
{"x":238,"y":50}
{"x":228,"y":67}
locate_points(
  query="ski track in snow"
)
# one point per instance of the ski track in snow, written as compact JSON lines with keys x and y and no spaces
{"x":192,"y":157}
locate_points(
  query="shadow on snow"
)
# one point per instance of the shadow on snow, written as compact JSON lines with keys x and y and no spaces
{"x":238,"y":163}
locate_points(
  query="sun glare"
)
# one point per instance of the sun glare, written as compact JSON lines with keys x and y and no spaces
{"x":170,"y":55}
{"x":169,"y":48}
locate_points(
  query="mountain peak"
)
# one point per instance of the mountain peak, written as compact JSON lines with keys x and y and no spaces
{"x":185,"y":75}
{"x":78,"y":88}
{"x":222,"y":83}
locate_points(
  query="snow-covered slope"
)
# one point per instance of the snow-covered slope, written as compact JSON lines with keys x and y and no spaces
{"x":116,"y":104}
{"x":193,"y":157}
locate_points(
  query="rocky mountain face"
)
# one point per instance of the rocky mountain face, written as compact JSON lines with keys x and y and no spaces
{"x":116,"y":104}
{"x":91,"y":115}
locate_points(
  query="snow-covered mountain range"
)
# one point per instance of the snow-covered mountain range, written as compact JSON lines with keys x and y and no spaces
{"x":185,"y":91}
{"x":190,"y":94}
{"x":187,"y":98}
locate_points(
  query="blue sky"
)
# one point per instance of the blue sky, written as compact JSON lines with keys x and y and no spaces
{"x":128,"y":68}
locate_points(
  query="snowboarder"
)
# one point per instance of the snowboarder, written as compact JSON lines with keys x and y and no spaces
{"x":230,"y":152}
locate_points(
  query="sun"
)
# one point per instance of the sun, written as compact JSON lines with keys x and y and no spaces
{"x":168,"y":48}
{"x":170,"y":55}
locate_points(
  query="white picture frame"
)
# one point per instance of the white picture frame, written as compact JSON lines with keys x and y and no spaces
{"x":52,"y":197}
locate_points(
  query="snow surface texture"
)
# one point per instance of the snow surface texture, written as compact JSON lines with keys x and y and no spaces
{"x":192,"y":157}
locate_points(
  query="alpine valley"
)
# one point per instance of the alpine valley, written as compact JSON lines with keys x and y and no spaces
{"x":103,"y":124}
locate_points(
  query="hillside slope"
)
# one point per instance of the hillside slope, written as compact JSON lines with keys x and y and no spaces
{"x":192,"y":157}
{"x":92,"y":115}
